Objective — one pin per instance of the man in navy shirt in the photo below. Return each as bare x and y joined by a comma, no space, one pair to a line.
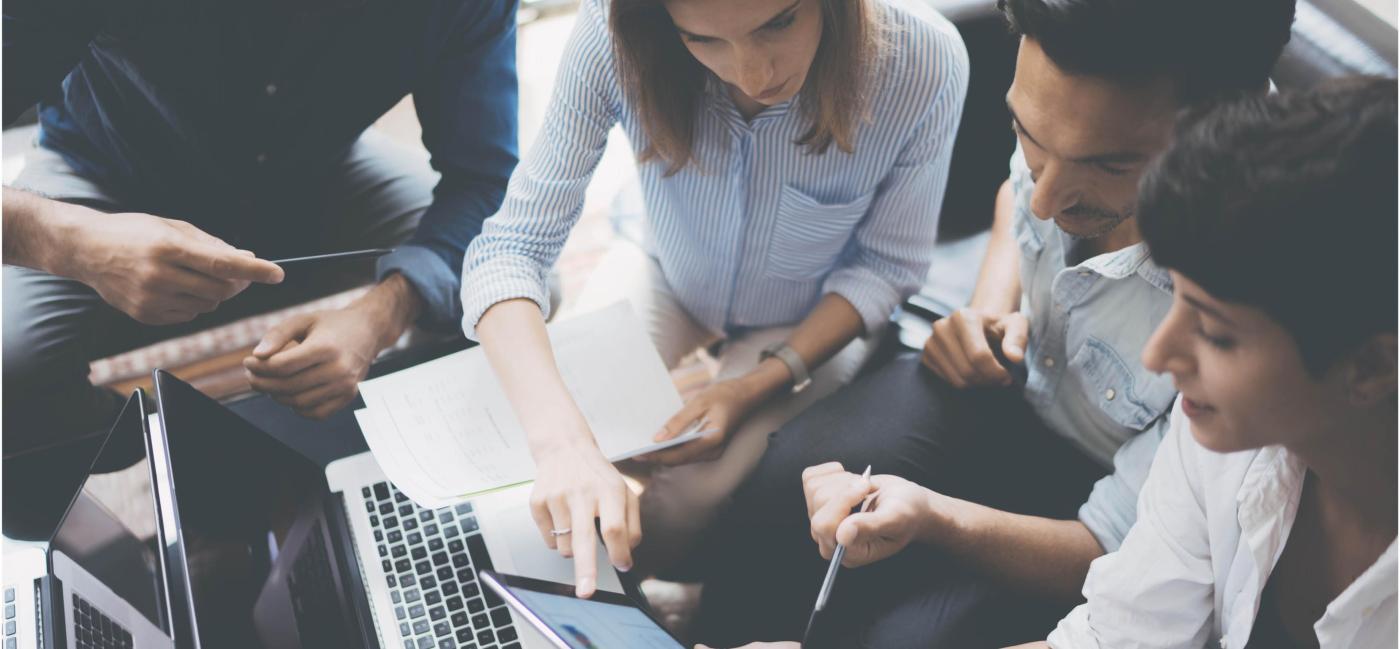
184,142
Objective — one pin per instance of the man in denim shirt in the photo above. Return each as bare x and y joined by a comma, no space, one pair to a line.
184,142
1031,394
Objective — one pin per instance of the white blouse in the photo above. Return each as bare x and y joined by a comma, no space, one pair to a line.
1210,528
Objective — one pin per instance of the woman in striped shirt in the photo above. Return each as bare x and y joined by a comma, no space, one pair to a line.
793,156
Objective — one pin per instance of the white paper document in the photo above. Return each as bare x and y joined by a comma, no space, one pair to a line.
444,430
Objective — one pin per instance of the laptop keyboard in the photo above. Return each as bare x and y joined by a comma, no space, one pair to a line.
431,558
94,630
11,632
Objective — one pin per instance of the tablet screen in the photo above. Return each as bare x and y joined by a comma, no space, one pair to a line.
593,624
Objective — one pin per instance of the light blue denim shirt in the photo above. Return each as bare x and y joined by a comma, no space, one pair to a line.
1089,321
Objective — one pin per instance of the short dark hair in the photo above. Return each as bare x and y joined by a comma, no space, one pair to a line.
1210,48
1287,203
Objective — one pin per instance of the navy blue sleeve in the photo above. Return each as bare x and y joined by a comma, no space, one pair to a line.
43,41
467,104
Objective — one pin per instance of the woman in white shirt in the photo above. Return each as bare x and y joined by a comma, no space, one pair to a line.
1269,515
793,159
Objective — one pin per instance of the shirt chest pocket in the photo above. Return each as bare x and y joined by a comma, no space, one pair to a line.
809,235
1129,394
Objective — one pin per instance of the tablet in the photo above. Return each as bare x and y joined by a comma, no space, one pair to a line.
605,621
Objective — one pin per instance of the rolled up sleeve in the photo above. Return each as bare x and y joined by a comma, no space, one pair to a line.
467,104
1157,590
1111,508
889,253
518,245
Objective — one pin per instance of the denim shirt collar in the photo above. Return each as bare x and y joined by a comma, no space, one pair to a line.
1126,262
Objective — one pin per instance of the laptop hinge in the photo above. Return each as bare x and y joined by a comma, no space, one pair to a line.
352,569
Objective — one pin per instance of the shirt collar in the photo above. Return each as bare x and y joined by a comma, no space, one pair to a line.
1124,263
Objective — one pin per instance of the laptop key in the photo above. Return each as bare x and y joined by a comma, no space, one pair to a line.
464,636
450,588
436,613
445,517
460,560
399,551
408,580
506,635
459,619
444,573
419,553
451,530
428,582
412,595
454,604
464,508
425,515
404,629
409,644
500,616
425,643
469,525
381,490
400,613
432,597
391,522
423,567
442,629
474,605
440,559
481,620
447,643
421,626
386,508
9,611
9,595
431,529
415,538
395,536
410,523
405,510
485,636
416,611
403,565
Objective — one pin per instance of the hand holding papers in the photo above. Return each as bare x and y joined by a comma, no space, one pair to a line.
444,430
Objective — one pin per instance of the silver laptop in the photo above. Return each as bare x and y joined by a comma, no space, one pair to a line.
101,581
335,557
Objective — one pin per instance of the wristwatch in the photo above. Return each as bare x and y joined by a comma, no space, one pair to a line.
780,350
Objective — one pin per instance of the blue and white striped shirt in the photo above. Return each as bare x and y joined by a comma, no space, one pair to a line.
755,231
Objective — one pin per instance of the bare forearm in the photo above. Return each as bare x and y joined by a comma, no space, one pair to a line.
394,304
999,282
1040,555
33,227
1032,645
517,346
832,325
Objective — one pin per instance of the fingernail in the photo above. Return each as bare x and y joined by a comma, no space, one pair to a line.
624,568
1014,350
585,585
262,348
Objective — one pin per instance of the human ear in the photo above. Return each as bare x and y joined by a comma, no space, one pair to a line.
1373,371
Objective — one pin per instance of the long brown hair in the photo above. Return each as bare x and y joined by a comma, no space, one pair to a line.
665,83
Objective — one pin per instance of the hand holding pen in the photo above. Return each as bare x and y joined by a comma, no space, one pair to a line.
898,512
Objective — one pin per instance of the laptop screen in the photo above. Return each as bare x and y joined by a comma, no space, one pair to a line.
236,493
110,527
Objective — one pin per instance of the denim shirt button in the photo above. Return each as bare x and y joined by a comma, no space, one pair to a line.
1109,394
1049,362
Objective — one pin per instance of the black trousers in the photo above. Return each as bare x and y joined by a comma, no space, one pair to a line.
762,569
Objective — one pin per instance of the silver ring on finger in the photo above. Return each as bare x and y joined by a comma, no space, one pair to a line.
563,532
